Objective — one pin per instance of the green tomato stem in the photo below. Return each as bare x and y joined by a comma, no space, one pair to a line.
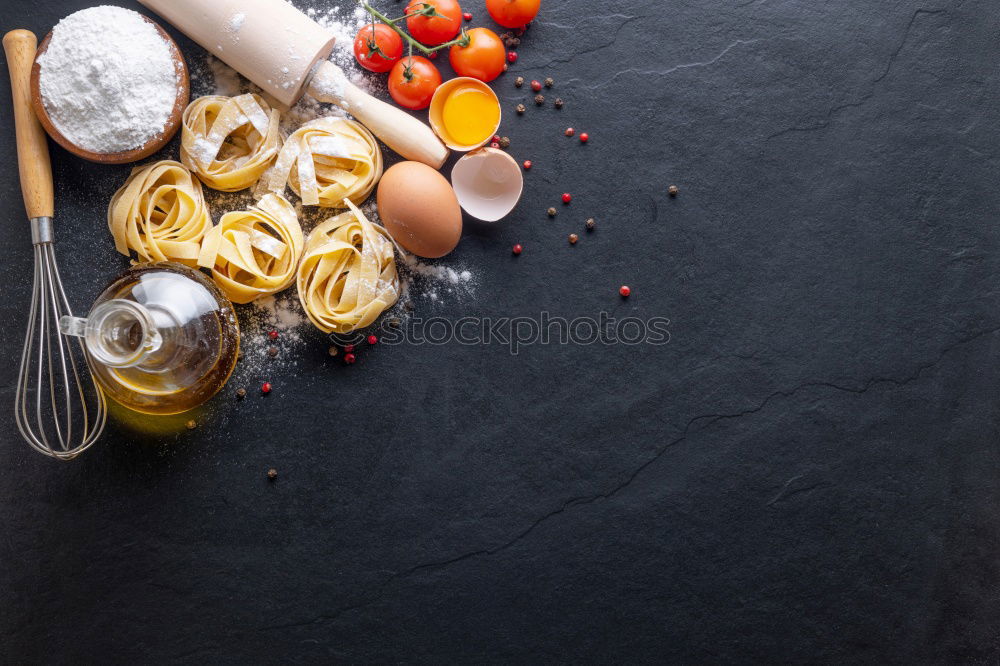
384,19
461,40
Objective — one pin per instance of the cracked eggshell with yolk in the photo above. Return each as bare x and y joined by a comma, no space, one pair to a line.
419,209
488,183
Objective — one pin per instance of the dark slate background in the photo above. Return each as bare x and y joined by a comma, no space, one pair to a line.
807,472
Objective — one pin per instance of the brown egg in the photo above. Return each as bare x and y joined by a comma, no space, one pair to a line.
419,209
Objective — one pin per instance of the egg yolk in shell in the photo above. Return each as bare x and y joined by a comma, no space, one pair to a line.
470,116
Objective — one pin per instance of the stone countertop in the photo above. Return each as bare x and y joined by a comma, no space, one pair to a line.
807,471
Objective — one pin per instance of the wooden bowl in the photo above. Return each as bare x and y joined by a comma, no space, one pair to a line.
147,149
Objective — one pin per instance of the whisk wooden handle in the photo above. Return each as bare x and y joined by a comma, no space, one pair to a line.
32,150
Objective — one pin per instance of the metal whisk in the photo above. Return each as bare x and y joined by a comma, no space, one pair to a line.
59,414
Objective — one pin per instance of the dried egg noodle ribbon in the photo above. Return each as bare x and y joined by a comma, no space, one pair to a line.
160,214
229,141
254,252
347,277
326,161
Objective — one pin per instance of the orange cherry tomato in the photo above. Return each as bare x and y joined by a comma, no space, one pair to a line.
412,82
513,13
482,59
378,49
439,28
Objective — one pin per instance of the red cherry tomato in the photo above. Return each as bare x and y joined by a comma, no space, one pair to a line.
378,49
482,59
513,13
412,82
438,28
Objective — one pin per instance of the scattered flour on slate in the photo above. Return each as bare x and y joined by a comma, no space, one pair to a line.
282,313
436,282
226,80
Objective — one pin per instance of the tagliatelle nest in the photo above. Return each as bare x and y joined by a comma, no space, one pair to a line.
160,214
347,277
255,252
229,142
326,161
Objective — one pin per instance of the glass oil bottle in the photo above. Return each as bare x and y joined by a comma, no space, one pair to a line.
161,339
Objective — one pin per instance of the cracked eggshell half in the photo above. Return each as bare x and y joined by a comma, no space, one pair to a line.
488,183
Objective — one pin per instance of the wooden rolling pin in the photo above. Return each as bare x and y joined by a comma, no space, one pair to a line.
285,52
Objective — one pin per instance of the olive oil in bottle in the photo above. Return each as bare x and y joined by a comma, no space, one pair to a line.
161,339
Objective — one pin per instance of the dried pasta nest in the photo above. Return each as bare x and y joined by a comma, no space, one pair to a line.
254,252
229,142
159,214
347,277
326,161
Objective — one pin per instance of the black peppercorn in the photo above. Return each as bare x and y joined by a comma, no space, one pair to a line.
551,212
505,142
241,393
520,108
272,474
272,351
559,103
591,224
191,425
673,190
519,81
539,99
549,82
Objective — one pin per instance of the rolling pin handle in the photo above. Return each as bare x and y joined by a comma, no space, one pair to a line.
399,130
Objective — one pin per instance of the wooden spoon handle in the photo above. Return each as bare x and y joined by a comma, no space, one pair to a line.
399,130
32,149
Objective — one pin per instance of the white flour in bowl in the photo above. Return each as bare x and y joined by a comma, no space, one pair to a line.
107,79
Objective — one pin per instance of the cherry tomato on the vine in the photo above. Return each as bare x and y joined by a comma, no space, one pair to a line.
513,13
482,59
378,48
412,82
441,25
